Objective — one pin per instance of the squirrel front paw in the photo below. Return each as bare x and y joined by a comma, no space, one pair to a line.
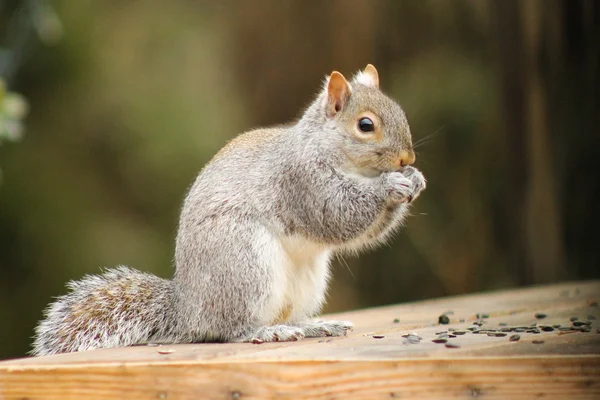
418,181
399,189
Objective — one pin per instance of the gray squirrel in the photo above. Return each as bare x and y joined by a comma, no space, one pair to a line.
257,231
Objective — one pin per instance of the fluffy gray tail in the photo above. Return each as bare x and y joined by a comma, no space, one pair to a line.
121,307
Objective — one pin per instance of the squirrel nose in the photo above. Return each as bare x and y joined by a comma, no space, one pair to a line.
406,157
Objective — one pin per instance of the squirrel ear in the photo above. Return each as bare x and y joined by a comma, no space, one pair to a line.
372,73
368,77
338,91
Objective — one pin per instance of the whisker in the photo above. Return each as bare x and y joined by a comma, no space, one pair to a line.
343,262
429,138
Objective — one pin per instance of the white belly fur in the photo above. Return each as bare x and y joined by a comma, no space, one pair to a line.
305,279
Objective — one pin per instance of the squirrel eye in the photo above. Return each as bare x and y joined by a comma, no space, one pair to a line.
366,125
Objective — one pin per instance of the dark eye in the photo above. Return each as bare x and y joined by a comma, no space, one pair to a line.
366,125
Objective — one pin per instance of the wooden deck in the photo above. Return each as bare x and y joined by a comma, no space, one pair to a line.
377,360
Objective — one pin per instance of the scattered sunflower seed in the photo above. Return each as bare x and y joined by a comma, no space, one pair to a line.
452,346
378,336
581,323
520,329
514,338
460,332
564,328
451,336
556,326
482,316
585,328
502,324
547,328
537,342
396,320
440,340
443,319
540,315
166,351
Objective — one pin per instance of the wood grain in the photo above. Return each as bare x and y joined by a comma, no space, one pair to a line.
358,366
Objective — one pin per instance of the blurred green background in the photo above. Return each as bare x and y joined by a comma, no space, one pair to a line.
129,99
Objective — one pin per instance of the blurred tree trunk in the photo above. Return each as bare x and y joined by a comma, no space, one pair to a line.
545,252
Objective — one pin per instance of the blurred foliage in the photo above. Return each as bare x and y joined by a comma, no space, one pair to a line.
136,97
13,108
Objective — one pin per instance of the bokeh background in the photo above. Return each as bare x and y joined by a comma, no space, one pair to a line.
129,99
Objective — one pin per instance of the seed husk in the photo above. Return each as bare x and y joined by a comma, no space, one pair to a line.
566,332
564,328
460,332
507,329
396,320
537,342
556,326
514,338
585,328
540,315
443,319
452,346
378,336
502,324
520,329
500,334
482,316
451,336
439,340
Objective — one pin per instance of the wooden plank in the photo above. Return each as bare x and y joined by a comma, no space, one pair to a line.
357,366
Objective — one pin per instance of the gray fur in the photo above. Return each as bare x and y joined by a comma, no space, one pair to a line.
257,230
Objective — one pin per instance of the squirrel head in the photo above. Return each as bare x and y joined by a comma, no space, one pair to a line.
369,129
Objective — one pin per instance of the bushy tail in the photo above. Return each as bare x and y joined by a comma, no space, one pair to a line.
121,307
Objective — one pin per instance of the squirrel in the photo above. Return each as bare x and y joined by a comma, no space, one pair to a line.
257,231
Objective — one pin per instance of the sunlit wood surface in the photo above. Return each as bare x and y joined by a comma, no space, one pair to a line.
376,360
